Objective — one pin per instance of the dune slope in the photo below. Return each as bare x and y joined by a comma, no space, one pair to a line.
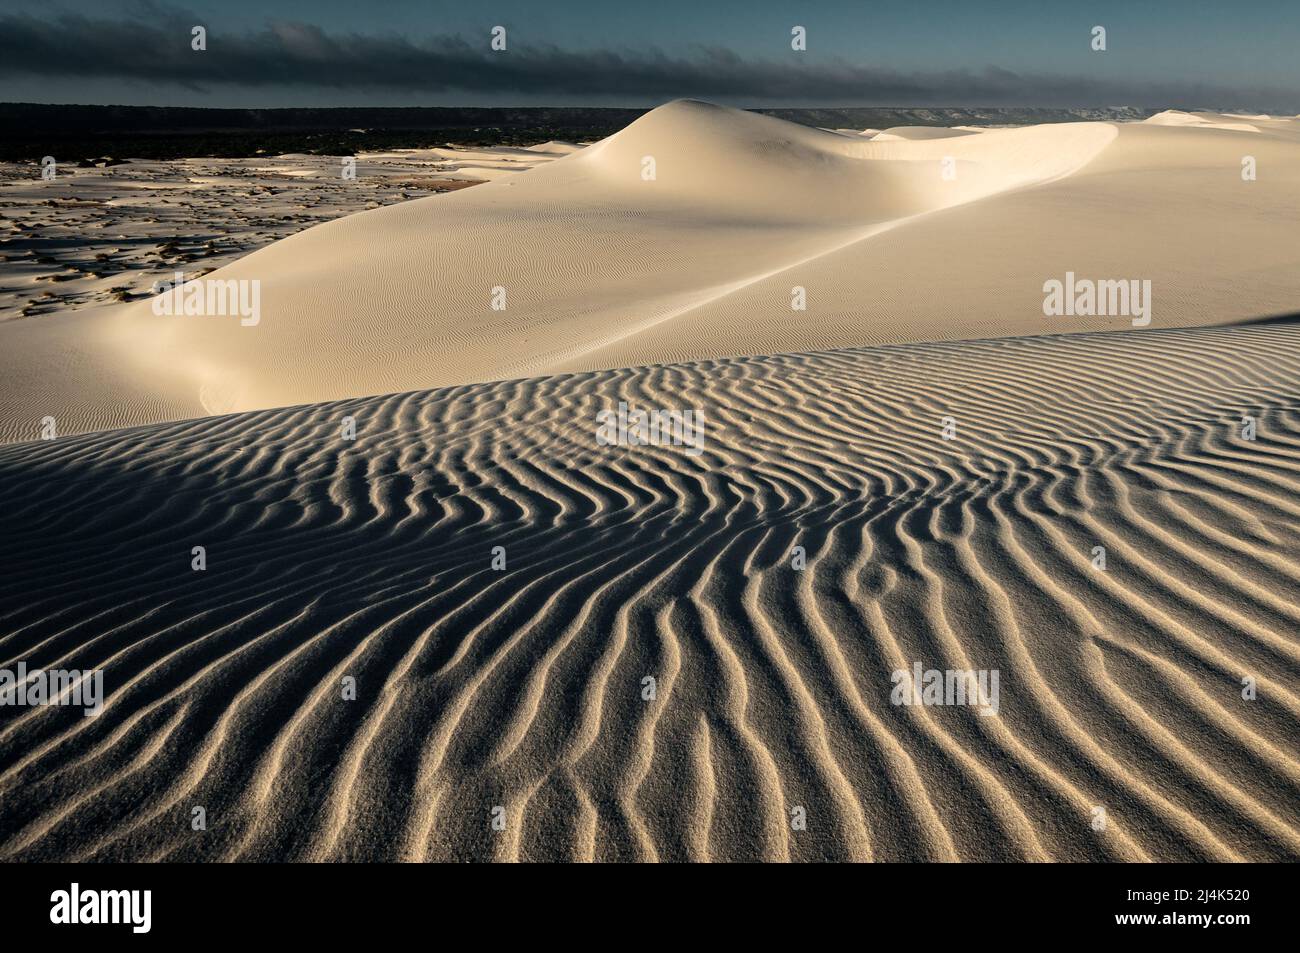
525,688
589,262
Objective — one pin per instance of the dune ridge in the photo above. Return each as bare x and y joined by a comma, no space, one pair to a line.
371,558
603,268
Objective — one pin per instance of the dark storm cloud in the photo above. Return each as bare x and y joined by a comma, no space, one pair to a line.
153,46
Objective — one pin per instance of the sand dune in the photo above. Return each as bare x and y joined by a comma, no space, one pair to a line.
1203,120
603,268
523,688
855,510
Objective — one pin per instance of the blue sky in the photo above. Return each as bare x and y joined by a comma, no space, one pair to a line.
881,52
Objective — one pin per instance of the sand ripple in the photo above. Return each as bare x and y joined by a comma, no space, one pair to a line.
523,688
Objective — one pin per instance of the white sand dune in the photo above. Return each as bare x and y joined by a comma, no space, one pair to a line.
602,268
1279,126
1203,120
523,688
555,147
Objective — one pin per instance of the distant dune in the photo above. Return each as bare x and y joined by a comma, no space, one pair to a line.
603,268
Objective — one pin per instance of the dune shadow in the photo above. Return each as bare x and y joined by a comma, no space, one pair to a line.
1269,320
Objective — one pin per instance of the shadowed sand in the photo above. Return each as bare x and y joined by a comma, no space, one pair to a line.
371,559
